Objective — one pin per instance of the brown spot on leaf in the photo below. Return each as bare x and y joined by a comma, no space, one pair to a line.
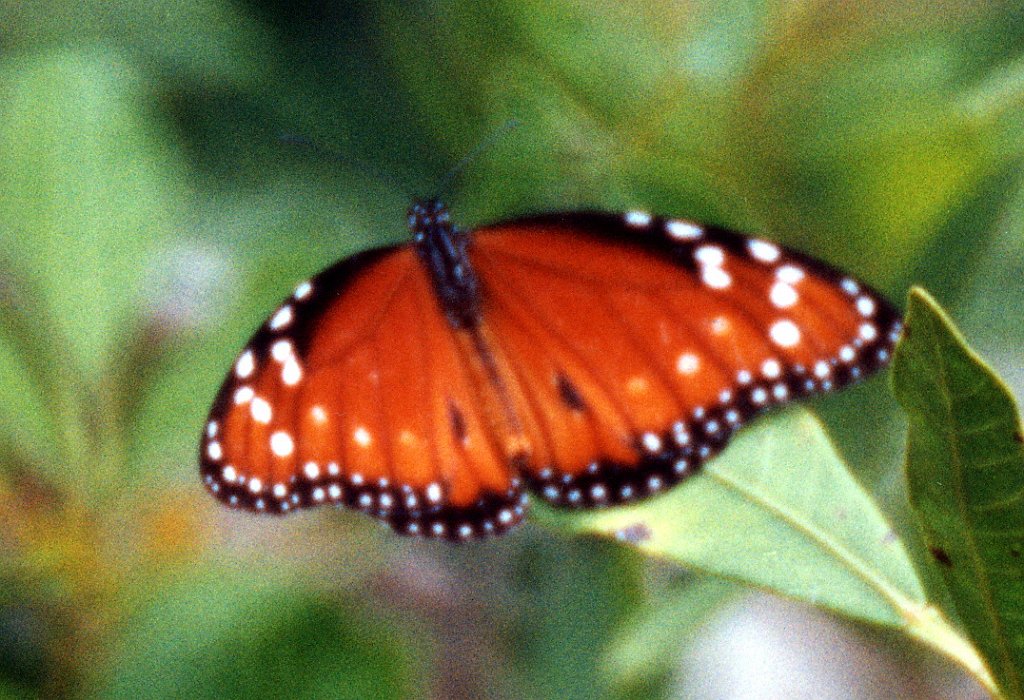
634,534
942,556
1018,436
1015,551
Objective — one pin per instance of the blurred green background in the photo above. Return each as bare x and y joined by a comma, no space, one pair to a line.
150,218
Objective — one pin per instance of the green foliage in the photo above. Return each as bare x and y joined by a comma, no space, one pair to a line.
965,468
149,219
291,646
781,511
780,494
646,651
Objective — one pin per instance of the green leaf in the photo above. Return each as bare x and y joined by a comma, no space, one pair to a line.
229,635
24,424
87,193
965,470
781,511
210,42
569,595
649,646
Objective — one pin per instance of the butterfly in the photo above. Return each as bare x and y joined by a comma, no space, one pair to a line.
585,358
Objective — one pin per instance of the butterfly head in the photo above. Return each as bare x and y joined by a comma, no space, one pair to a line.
426,215
444,251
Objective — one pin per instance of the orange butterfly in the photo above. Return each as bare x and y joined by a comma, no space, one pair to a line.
587,358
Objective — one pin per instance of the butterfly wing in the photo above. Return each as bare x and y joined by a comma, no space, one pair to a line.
356,392
638,344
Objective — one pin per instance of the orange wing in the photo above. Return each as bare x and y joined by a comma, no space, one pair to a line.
635,346
611,356
357,392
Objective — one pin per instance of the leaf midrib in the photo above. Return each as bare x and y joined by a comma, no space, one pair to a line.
897,598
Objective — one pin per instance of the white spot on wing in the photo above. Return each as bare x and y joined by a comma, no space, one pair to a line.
637,218
434,492
771,369
282,350
260,410
790,274
868,331
362,437
246,365
783,295
291,373
303,290
652,443
784,333
243,394
282,318
214,451
281,444
687,363
866,306
710,255
716,277
683,230
763,250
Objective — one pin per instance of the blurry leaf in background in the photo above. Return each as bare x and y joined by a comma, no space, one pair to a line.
965,469
571,599
26,432
994,295
89,195
229,635
646,652
90,191
204,42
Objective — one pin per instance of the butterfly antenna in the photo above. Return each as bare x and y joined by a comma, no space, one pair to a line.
482,146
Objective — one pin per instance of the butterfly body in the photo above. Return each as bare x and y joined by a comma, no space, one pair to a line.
587,358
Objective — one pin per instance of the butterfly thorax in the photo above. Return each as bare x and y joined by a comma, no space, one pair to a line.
443,249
